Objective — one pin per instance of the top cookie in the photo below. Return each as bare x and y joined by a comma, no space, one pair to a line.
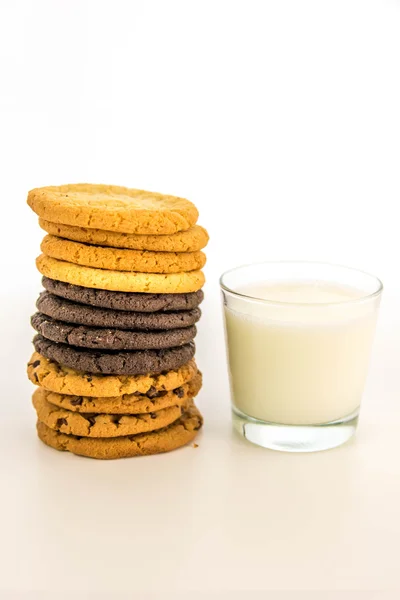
190,240
113,208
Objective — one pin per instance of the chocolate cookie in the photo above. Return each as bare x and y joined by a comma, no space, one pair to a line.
181,432
72,312
129,301
115,363
110,339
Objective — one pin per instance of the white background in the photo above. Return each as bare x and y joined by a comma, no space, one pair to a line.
280,119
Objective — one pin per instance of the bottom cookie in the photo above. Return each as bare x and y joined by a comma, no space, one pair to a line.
169,438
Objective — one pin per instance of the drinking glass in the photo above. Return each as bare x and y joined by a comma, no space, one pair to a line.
298,338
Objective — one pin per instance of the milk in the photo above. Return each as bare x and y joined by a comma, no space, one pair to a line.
302,357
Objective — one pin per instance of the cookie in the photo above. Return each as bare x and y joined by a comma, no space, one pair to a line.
123,301
72,312
62,380
123,281
180,433
139,362
113,208
101,425
152,401
114,259
191,240
102,338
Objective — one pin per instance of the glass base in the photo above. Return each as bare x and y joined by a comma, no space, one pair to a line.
295,438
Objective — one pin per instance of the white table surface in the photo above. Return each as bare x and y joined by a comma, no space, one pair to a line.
224,516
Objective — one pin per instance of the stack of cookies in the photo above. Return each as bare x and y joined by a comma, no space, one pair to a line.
116,322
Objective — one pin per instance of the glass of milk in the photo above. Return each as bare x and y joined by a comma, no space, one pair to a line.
299,338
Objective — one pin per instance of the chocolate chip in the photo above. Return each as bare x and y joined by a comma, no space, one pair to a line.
153,393
76,400
180,392
36,377
88,378
34,364
153,415
91,419
137,394
61,422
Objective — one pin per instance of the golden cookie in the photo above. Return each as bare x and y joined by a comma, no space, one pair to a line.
181,432
191,240
142,261
120,281
62,380
101,425
113,208
128,404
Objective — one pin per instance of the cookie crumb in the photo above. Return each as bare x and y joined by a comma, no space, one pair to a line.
195,445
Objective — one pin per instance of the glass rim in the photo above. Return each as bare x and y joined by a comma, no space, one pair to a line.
363,298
